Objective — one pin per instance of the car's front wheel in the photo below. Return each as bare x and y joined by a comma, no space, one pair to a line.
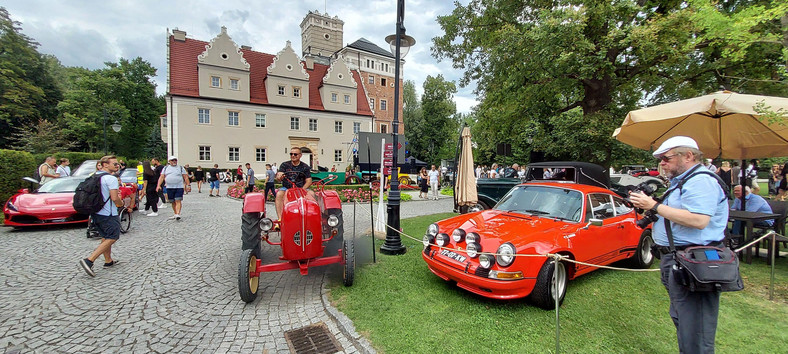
547,286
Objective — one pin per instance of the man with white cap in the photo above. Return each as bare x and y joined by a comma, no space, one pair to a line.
176,178
696,209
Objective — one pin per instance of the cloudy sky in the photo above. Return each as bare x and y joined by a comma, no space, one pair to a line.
88,32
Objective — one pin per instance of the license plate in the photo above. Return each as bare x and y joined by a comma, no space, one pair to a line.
454,255
57,220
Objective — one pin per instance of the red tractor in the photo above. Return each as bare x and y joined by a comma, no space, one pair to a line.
310,234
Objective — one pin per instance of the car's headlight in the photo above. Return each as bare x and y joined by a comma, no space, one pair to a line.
432,230
333,221
266,224
428,240
458,235
473,249
442,240
486,261
11,206
473,238
505,255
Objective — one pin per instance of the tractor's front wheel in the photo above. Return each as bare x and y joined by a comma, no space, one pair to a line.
248,284
349,258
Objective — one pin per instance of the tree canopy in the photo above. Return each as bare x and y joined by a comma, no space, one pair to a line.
432,124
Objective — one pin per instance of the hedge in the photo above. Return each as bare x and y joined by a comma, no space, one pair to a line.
13,166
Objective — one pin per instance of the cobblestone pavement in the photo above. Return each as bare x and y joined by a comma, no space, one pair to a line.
173,290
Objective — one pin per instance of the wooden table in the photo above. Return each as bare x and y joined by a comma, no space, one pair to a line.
750,217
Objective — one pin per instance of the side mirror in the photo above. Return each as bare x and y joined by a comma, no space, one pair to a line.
31,180
594,222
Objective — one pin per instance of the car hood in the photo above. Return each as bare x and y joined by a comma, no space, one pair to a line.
34,200
500,226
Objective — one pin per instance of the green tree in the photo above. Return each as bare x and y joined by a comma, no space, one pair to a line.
433,137
43,137
411,113
27,90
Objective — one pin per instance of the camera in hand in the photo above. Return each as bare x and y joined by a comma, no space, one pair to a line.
648,216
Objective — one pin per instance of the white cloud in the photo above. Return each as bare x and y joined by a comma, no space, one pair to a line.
89,32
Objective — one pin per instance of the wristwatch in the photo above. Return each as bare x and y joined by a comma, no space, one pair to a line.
654,209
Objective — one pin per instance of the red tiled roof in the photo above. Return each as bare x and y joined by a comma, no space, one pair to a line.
184,79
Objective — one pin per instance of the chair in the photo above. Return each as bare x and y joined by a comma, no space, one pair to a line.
779,208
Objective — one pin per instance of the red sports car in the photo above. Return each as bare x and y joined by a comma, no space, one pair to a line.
574,218
51,204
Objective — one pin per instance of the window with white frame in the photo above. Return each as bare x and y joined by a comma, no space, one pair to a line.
337,155
356,127
295,123
234,153
333,97
203,116
384,128
338,127
312,124
281,91
234,84
164,122
372,103
259,154
216,81
371,79
296,92
368,64
383,105
347,99
259,120
232,118
204,153
383,81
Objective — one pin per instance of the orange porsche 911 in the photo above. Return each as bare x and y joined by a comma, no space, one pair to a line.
574,214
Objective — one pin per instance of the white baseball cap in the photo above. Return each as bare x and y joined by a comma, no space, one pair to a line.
674,142
173,157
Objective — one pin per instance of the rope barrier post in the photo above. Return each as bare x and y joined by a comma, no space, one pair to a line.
556,297
771,281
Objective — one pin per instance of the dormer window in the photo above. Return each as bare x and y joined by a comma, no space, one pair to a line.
333,97
234,84
216,81
281,91
347,99
297,92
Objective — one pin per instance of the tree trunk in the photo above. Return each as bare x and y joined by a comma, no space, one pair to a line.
597,95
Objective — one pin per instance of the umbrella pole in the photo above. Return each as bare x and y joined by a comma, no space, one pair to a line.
743,182
457,168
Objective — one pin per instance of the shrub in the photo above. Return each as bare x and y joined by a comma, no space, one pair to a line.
13,166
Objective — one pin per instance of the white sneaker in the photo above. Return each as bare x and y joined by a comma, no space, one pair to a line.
159,206
143,212
153,214
172,217
177,216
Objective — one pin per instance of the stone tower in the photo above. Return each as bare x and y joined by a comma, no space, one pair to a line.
321,35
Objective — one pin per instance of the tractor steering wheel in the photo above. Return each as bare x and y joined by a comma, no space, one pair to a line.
319,185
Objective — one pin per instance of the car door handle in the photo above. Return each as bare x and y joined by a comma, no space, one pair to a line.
620,226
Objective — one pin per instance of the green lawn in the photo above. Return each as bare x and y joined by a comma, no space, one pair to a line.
400,306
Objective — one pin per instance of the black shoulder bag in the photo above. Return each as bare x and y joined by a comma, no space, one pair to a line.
704,268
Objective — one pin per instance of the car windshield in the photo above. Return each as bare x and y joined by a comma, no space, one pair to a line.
61,185
559,203
129,175
86,168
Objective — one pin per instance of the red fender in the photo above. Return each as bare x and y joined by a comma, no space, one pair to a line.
331,200
254,203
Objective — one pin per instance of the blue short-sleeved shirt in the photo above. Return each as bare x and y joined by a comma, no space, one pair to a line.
108,182
755,203
700,194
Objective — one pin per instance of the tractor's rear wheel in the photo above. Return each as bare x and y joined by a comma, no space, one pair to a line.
248,284
349,258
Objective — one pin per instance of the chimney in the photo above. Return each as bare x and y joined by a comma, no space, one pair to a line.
246,47
179,35
310,63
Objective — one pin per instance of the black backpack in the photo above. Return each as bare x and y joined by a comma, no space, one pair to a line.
87,197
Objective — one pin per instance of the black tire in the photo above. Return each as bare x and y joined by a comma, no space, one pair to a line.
349,257
247,286
352,180
333,246
482,205
542,295
654,185
643,259
125,221
251,233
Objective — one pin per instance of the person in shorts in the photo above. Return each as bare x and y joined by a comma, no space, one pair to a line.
214,180
177,179
106,220
290,172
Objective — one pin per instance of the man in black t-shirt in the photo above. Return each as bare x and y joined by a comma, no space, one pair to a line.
303,179
214,180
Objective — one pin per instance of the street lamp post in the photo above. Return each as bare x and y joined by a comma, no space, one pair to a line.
400,43
115,127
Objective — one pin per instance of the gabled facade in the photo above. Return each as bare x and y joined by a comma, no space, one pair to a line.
229,105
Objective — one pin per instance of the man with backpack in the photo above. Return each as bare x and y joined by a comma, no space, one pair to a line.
99,195
176,177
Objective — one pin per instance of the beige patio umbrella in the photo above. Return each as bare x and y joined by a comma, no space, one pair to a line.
724,124
465,187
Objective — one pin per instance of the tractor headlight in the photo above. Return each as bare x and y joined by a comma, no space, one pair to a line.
333,221
442,240
458,235
473,238
486,261
473,250
505,255
266,224
432,230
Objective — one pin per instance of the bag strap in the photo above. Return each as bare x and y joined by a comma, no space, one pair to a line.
679,186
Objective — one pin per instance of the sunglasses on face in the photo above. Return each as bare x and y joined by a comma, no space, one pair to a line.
666,158
292,154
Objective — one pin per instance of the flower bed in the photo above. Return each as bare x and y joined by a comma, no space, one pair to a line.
360,193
